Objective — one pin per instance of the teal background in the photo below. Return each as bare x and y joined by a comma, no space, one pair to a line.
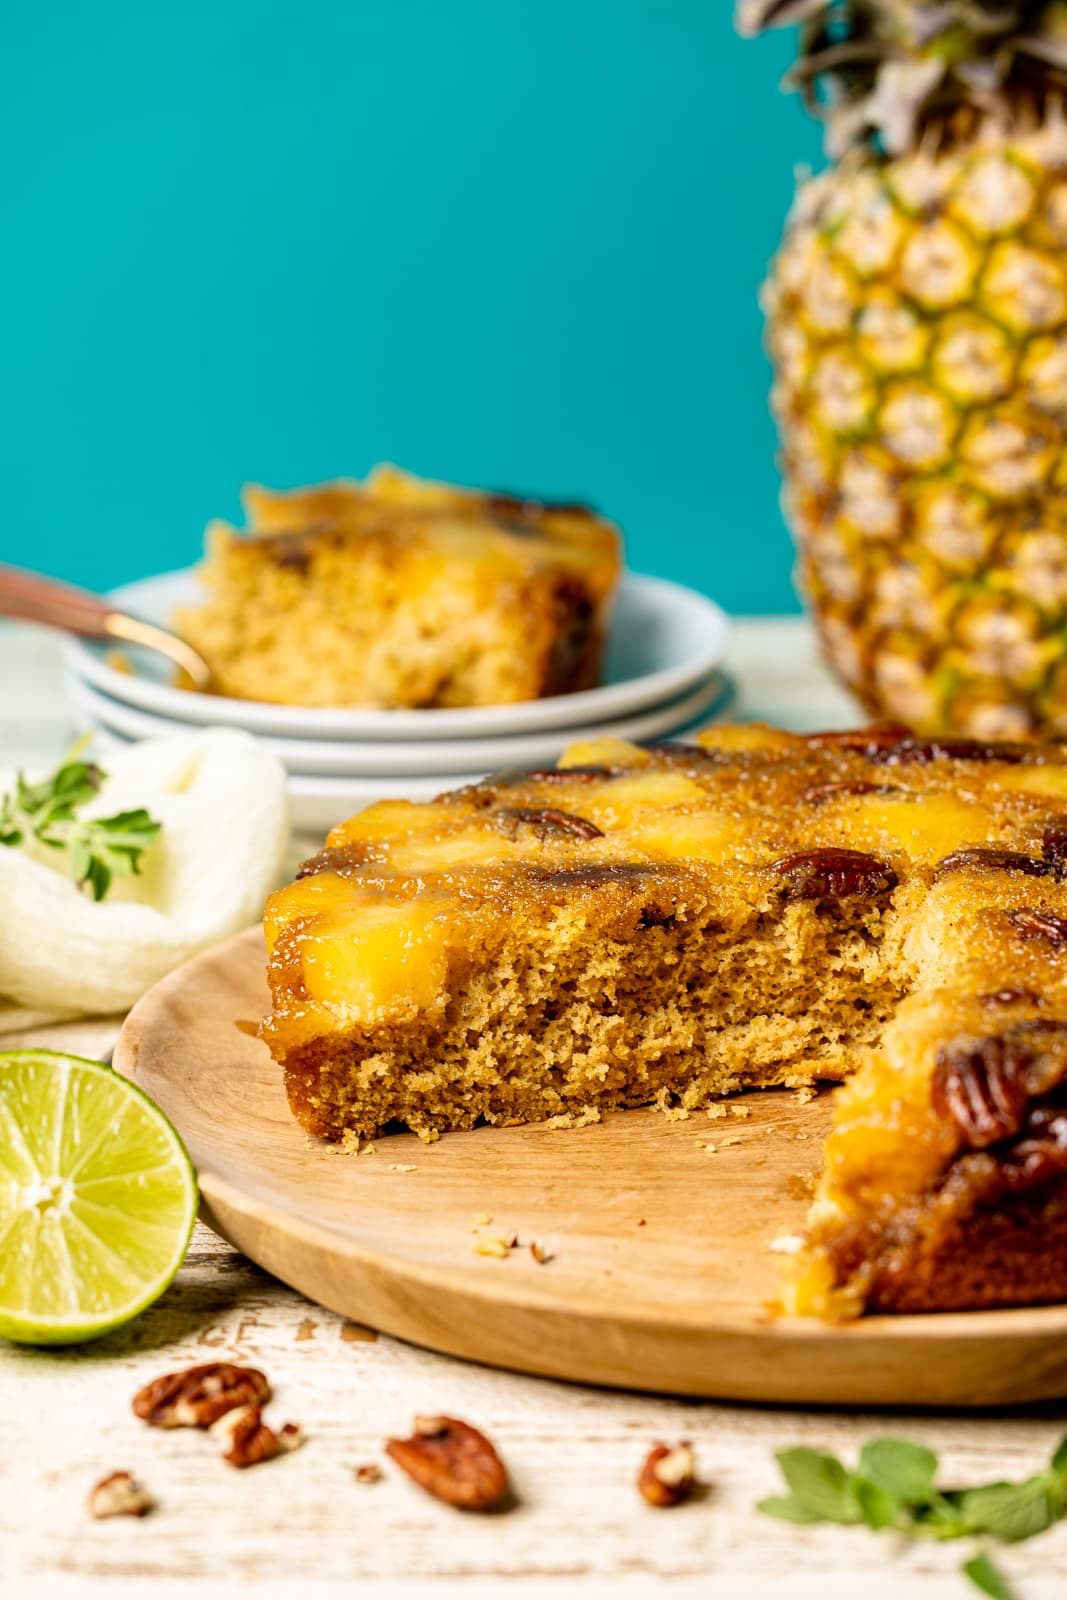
510,242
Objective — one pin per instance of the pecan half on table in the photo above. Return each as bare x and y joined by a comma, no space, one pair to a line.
119,1495
452,1461
247,1440
199,1396
669,1475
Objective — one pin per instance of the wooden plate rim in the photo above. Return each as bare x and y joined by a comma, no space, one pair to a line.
1028,1329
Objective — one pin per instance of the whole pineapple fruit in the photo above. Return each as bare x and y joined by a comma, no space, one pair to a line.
917,317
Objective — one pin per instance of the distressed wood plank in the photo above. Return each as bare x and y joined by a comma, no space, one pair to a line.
573,1453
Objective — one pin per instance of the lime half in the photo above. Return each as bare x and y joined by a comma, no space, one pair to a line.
97,1198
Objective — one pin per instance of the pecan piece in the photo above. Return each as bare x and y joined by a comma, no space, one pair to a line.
247,1440
119,1495
198,1396
821,792
1010,997
504,500
878,736
979,1085
669,1474
833,874
993,860
293,559
923,751
1041,1154
546,823
452,1461
557,775
369,1472
1054,845
1039,925
679,747
1043,1044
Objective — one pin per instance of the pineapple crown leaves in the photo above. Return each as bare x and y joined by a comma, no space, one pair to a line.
880,71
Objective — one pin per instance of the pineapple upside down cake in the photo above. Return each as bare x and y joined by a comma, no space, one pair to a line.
669,924
402,592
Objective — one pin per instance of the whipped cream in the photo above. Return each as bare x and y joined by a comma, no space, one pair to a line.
222,801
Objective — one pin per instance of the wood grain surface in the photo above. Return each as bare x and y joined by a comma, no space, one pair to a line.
301,1528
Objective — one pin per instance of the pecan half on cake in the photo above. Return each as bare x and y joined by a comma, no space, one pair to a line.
675,923
398,592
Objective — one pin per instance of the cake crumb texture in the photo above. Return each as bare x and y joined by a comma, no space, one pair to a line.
670,926
401,593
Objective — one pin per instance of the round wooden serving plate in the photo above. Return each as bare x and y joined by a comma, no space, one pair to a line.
660,1277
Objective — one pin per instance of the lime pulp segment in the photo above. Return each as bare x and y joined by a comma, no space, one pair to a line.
97,1198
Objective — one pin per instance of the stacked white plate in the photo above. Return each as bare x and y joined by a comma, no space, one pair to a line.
663,676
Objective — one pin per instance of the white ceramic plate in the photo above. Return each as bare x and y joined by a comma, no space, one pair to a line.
319,803
664,640
351,758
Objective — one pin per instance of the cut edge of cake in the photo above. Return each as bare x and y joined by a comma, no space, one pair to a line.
670,924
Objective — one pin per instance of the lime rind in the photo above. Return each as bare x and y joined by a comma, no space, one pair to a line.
97,1198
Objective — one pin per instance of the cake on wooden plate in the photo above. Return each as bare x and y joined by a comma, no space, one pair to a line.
397,592
670,924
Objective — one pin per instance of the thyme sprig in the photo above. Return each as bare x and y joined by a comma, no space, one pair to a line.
98,849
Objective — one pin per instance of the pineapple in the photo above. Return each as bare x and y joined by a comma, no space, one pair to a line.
917,322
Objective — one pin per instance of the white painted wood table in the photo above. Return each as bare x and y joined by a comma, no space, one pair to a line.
303,1526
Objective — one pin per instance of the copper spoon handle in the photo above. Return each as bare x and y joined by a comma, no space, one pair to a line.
37,599
60,605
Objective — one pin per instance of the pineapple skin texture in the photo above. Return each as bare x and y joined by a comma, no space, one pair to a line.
917,322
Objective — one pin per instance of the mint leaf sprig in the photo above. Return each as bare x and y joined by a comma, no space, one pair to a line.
987,1577
98,848
893,1487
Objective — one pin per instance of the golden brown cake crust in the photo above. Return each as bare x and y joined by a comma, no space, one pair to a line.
673,923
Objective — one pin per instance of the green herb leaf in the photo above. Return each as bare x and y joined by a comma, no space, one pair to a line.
787,1509
58,797
110,847
894,1487
98,848
1011,1511
821,1484
901,1468
940,1518
878,1508
985,1576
